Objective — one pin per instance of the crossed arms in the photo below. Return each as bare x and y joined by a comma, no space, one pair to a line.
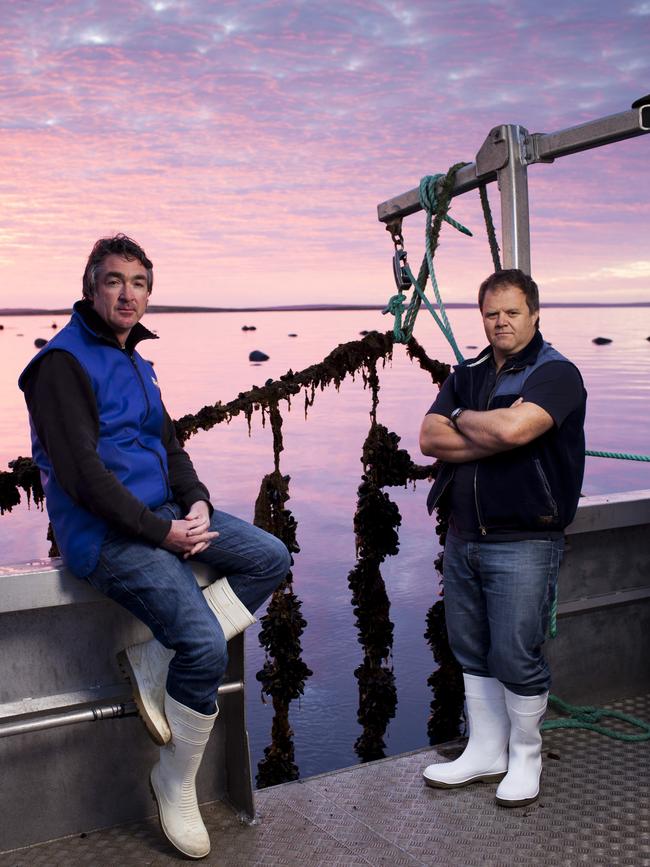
482,433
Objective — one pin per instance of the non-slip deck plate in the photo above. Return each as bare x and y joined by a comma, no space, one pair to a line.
594,809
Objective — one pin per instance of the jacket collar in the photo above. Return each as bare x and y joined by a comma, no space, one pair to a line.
523,358
94,323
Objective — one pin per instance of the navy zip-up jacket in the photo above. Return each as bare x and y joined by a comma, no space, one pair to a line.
531,490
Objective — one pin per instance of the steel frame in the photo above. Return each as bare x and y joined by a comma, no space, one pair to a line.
505,156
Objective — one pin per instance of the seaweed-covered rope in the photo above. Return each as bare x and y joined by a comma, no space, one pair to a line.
489,227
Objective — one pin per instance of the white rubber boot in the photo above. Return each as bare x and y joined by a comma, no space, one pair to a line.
173,779
146,664
227,607
520,786
485,758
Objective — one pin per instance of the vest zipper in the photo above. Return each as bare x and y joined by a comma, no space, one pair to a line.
141,444
139,375
482,529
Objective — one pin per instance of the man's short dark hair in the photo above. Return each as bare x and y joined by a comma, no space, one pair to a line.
511,277
118,245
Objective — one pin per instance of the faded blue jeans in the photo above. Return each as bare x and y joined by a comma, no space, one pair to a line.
497,604
160,589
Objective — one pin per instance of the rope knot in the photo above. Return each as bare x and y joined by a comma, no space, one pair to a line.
428,192
395,304
587,714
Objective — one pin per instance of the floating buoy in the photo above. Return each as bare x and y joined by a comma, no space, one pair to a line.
2,328
601,341
257,355
40,342
54,325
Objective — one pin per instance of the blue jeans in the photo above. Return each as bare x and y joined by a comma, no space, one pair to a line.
160,589
497,603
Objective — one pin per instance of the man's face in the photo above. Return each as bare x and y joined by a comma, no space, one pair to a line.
121,294
509,324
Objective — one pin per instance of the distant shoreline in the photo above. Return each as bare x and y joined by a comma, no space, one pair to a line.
307,308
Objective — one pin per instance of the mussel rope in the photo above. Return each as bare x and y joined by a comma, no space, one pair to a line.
489,227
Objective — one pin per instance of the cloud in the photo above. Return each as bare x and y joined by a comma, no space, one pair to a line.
266,131
631,270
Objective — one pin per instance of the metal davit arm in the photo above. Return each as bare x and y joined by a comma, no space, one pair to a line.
505,155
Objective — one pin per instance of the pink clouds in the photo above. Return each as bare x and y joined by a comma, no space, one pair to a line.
255,138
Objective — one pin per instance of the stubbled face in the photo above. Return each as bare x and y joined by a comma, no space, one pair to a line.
121,294
509,324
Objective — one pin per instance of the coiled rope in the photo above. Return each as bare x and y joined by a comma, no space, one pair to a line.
587,717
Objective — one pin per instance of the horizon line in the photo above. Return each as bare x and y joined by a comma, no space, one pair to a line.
282,308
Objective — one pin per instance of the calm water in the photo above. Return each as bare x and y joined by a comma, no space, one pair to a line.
202,358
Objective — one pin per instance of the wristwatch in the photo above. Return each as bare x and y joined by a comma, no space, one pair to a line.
455,415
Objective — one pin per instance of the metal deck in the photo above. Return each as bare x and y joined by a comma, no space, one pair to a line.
594,809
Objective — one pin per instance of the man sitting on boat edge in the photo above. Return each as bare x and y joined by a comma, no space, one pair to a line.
128,511
508,429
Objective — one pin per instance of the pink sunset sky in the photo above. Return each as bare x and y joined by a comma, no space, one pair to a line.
247,144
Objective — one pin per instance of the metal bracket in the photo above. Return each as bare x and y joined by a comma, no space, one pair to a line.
493,153
531,149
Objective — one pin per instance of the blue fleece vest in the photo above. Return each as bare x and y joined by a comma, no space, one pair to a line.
130,423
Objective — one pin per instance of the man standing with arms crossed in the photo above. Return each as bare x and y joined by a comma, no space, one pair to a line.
508,430
128,511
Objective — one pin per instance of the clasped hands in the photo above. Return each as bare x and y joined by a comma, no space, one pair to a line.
191,535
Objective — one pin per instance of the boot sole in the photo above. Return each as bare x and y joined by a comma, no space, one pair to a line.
162,828
523,803
482,778
127,671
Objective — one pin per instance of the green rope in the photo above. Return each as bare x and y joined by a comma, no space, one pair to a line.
395,306
621,456
489,226
587,717
552,626
436,208
428,193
